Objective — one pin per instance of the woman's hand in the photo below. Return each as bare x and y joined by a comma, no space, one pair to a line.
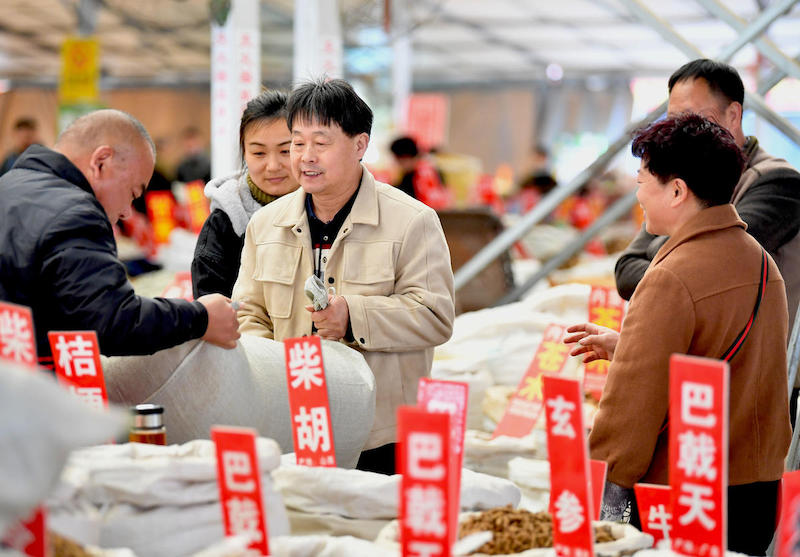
596,342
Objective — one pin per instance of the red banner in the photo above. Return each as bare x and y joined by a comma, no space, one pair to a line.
240,485
570,493
599,469
698,454
76,356
525,404
197,205
607,309
17,341
312,429
161,212
655,510
29,536
180,287
788,541
427,119
428,496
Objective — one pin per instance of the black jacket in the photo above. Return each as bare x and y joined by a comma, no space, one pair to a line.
216,256
58,256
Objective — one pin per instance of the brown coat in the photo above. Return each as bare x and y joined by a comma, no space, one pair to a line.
391,263
695,298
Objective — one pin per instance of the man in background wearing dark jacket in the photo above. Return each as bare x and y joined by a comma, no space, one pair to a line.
57,250
767,196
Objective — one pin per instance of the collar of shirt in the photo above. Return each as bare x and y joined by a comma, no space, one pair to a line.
324,233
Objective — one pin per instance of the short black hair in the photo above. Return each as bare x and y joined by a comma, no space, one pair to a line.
267,106
698,151
404,147
722,79
330,101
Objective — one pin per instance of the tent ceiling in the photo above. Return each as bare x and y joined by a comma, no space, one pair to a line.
455,41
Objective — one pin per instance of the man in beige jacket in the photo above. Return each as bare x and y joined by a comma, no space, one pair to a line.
381,253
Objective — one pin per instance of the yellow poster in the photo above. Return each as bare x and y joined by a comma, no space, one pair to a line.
80,71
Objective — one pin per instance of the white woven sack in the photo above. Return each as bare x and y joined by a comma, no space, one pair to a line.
201,385
42,423
158,501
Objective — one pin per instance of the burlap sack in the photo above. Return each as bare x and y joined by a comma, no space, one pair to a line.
201,385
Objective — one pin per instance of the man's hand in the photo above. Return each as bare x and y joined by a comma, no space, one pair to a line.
223,328
598,343
331,322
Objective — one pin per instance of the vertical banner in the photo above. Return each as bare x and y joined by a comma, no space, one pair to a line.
525,404
76,356
161,212
607,309
312,429
240,486
655,510
570,494
17,340
235,77
428,119
427,487
180,287
698,454
788,540
449,397
79,79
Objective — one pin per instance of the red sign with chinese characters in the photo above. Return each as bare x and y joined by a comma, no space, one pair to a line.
197,205
655,510
428,513
698,454
449,397
240,485
29,536
312,429
76,356
599,469
17,341
161,211
525,404
789,527
180,287
607,309
570,493
427,119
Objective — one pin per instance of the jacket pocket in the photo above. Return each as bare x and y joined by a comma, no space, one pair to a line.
368,268
276,269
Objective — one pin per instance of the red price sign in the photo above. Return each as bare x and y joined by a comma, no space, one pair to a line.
161,211
240,485
698,454
197,205
525,405
599,469
29,536
17,341
607,309
76,356
655,510
449,397
308,399
790,515
180,287
428,496
570,493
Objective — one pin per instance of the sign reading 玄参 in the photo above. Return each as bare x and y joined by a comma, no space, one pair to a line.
570,493
312,428
698,454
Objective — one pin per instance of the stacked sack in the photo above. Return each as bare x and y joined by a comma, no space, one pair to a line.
158,501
